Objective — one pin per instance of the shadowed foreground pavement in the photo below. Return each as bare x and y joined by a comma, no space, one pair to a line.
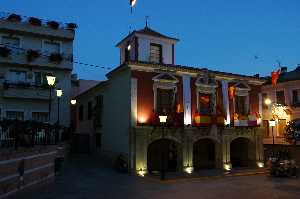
86,177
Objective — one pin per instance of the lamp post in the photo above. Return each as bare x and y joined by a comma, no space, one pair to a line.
51,81
272,123
59,93
163,121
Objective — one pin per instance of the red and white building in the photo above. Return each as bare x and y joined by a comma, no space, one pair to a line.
213,118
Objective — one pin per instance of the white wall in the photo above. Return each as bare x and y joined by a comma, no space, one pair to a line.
116,114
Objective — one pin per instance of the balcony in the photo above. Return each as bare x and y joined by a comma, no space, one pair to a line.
18,56
24,90
22,24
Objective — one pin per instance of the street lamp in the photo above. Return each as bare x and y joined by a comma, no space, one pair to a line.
268,101
163,121
272,123
59,93
51,81
73,101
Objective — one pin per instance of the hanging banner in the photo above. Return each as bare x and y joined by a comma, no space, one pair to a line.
231,92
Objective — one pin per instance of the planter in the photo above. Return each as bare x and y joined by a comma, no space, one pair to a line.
35,21
53,24
4,51
14,18
72,26
55,57
32,55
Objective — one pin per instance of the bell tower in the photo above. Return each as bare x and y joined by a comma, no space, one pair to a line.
147,45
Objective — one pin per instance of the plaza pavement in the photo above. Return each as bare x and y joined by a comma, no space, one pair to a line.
87,177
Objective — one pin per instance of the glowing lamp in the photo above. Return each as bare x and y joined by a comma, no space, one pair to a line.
50,79
59,92
73,101
142,120
227,167
141,172
260,164
272,123
268,101
189,170
226,122
129,47
163,118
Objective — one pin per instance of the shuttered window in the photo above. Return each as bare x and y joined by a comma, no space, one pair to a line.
280,99
205,106
296,97
155,53
165,100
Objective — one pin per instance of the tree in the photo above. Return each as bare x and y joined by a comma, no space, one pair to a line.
292,133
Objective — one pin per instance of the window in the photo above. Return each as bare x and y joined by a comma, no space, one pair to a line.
51,47
280,97
165,100
40,116
296,97
240,105
264,97
17,76
155,53
11,42
12,115
98,111
40,79
205,106
80,112
281,127
90,110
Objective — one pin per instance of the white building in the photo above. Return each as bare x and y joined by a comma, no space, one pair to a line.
30,49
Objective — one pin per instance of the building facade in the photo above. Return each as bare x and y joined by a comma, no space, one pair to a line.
30,49
284,105
86,114
213,118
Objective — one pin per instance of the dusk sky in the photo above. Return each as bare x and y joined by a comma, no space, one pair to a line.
216,34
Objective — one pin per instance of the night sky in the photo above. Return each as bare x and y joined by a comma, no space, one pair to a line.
235,36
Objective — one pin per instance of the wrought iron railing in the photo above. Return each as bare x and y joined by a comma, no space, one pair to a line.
16,133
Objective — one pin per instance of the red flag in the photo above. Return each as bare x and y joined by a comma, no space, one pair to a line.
275,75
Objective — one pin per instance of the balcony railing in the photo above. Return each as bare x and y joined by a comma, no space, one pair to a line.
25,90
16,55
16,133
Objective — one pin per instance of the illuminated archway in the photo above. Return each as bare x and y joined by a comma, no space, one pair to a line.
242,153
204,154
165,150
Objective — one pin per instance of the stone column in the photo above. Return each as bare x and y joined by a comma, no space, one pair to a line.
187,157
226,149
226,100
259,145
